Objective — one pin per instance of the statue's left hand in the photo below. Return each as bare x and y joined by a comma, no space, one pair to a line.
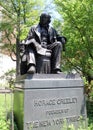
48,53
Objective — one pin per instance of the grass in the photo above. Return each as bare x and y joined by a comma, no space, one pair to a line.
5,106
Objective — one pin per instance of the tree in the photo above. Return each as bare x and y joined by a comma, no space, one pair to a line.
78,28
18,16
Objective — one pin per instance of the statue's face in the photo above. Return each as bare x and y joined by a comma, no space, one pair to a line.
44,19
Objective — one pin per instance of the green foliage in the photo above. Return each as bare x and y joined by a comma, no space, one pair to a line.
4,107
4,125
9,77
17,17
77,27
82,126
6,112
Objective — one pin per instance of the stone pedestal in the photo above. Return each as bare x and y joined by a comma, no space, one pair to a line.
45,101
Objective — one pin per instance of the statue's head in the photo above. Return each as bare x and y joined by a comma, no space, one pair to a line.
45,19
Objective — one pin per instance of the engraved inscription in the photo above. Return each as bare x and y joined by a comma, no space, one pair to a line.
44,102
36,124
52,122
58,111
59,101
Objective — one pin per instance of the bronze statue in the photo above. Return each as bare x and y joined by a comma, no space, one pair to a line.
42,40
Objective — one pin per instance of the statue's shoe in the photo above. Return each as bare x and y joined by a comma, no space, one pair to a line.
31,70
57,71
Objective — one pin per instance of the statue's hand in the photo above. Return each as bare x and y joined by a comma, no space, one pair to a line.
22,48
48,53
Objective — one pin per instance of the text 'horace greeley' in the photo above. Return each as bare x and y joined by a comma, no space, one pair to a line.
59,101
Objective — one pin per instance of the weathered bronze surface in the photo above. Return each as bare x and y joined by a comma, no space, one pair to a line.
42,40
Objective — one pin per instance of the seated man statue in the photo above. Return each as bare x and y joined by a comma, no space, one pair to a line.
42,40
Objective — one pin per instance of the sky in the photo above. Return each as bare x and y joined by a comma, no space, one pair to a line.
51,9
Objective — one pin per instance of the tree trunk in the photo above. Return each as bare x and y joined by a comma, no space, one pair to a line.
18,44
